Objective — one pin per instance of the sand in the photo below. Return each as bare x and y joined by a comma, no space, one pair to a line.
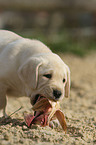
79,110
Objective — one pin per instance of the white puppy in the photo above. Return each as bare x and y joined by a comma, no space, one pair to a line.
29,68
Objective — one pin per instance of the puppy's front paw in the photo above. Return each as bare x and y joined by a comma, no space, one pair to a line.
54,123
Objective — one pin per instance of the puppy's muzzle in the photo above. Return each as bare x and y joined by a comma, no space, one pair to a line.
57,94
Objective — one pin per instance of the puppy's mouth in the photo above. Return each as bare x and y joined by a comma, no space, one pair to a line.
42,108
36,98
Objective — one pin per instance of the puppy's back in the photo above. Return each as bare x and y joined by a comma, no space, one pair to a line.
7,37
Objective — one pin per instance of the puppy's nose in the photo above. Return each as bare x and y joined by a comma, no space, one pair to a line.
57,94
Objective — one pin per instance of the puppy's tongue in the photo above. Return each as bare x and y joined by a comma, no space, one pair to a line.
42,108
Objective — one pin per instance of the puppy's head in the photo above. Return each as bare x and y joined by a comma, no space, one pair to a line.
45,75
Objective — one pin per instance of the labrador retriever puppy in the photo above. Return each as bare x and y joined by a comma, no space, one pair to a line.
29,68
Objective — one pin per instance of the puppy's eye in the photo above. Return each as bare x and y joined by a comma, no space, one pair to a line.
49,76
64,80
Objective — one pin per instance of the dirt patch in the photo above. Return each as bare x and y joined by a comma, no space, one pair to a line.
79,109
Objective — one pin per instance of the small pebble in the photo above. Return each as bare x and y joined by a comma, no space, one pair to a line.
24,128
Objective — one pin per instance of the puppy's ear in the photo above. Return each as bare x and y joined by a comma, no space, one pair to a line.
28,72
67,86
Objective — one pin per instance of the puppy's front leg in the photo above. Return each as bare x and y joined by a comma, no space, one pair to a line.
54,123
3,100
4,112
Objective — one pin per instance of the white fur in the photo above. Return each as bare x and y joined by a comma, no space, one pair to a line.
23,62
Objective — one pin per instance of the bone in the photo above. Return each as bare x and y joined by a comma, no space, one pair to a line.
41,105
61,118
59,115
55,106
53,111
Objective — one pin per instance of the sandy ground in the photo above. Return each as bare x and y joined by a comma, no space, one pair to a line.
79,109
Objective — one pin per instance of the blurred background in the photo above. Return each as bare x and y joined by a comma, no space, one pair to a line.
64,25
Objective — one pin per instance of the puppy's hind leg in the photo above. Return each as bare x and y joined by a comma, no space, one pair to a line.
3,100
